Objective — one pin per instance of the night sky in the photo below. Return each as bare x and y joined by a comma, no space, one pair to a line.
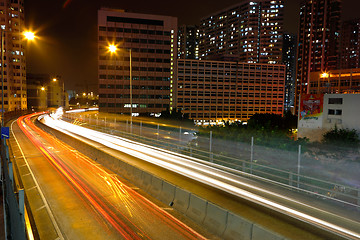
67,31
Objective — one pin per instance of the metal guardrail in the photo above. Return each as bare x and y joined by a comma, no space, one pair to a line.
320,188
13,197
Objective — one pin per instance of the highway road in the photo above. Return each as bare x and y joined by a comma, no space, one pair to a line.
297,207
86,200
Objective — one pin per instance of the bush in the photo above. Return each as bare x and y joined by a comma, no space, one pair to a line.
341,137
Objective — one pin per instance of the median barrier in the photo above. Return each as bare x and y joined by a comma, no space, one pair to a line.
155,187
167,193
136,176
260,233
197,209
146,181
128,171
238,228
181,200
216,219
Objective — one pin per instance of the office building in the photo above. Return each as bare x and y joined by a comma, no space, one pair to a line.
152,40
350,44
37,91
289,60
45,92
12,26
213,91
188,42
318,40
251,30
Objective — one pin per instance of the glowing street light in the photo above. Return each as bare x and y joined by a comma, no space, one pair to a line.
112,48
324,75
54,79
29,35
42,88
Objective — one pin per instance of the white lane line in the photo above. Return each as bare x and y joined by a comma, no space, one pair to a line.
51,215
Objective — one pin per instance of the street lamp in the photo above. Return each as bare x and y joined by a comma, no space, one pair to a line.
113,49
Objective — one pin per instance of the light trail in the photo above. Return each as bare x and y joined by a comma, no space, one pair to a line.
125,196
197,171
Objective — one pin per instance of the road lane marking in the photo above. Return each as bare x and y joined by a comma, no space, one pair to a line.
51,215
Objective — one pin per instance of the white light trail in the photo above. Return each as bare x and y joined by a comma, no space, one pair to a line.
194,170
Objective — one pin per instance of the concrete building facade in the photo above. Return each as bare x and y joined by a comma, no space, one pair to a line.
252,30
12,25
212,91
337,110
153,43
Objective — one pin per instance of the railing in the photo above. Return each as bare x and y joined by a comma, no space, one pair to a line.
321,188
13,202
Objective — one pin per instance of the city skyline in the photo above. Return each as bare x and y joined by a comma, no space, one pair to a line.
67,45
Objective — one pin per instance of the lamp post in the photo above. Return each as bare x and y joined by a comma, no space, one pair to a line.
113,48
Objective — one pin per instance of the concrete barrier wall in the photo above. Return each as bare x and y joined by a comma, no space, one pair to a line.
197,209
260,233
215,219
181,200
237,228
167,194
156,187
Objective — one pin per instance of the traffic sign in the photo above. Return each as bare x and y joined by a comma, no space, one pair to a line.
5,132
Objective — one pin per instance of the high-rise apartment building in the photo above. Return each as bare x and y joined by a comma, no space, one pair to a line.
12,26
212,91
188,42
289,59
251,30
318,40
151,62
350,44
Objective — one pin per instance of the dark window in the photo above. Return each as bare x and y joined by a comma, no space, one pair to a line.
338,112
135,21
331,112
102,28
335,101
